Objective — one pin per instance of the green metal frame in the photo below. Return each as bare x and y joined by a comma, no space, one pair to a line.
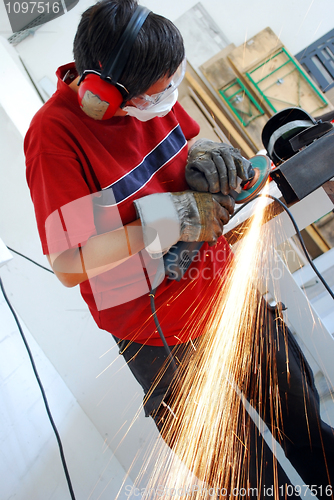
296,67
231,99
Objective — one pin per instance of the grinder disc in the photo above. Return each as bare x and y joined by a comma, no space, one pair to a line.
261,164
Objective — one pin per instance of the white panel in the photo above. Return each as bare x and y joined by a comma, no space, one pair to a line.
5,255
202,37
17,96
302,316
305,212
322,263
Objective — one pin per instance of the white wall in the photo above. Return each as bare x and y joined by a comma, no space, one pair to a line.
297,22
67,335
30,465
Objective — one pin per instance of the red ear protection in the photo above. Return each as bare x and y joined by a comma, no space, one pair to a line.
98,98
98,94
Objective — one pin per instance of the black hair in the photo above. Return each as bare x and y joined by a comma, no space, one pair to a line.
156,53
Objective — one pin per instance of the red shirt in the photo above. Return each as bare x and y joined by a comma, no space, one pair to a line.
84,175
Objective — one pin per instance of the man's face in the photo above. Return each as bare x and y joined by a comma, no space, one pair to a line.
160,90
157,90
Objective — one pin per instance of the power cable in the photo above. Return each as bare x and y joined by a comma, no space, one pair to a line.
68,479
30,260
157,324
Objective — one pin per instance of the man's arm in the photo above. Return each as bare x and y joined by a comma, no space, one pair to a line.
100,254
182,216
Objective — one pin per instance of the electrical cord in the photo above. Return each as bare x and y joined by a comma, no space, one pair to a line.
68,479
152,302
157,324
30,260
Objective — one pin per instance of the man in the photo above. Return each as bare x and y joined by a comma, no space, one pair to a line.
106,159
85,173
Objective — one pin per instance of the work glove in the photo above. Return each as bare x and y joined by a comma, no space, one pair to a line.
185,216
214,167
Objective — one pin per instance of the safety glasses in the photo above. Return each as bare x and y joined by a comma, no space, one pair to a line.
145,101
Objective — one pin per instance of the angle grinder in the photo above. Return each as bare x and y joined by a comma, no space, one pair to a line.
180,256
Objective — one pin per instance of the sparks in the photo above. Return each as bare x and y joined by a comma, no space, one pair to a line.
206,426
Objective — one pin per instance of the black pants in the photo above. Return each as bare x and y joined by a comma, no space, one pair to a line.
307,441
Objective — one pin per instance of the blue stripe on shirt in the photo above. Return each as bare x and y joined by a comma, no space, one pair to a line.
140,175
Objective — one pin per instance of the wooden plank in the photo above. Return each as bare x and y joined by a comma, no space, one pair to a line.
330,96
218,70
329,189
244,106
193,110
257,96
237,138
286,85
215,96
218,131
254,51
317,238
220,74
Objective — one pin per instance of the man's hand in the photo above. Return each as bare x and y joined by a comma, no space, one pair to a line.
202,215
214,167
227,204
182,216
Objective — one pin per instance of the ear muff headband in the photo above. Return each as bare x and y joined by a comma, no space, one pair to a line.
121,52
99,94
